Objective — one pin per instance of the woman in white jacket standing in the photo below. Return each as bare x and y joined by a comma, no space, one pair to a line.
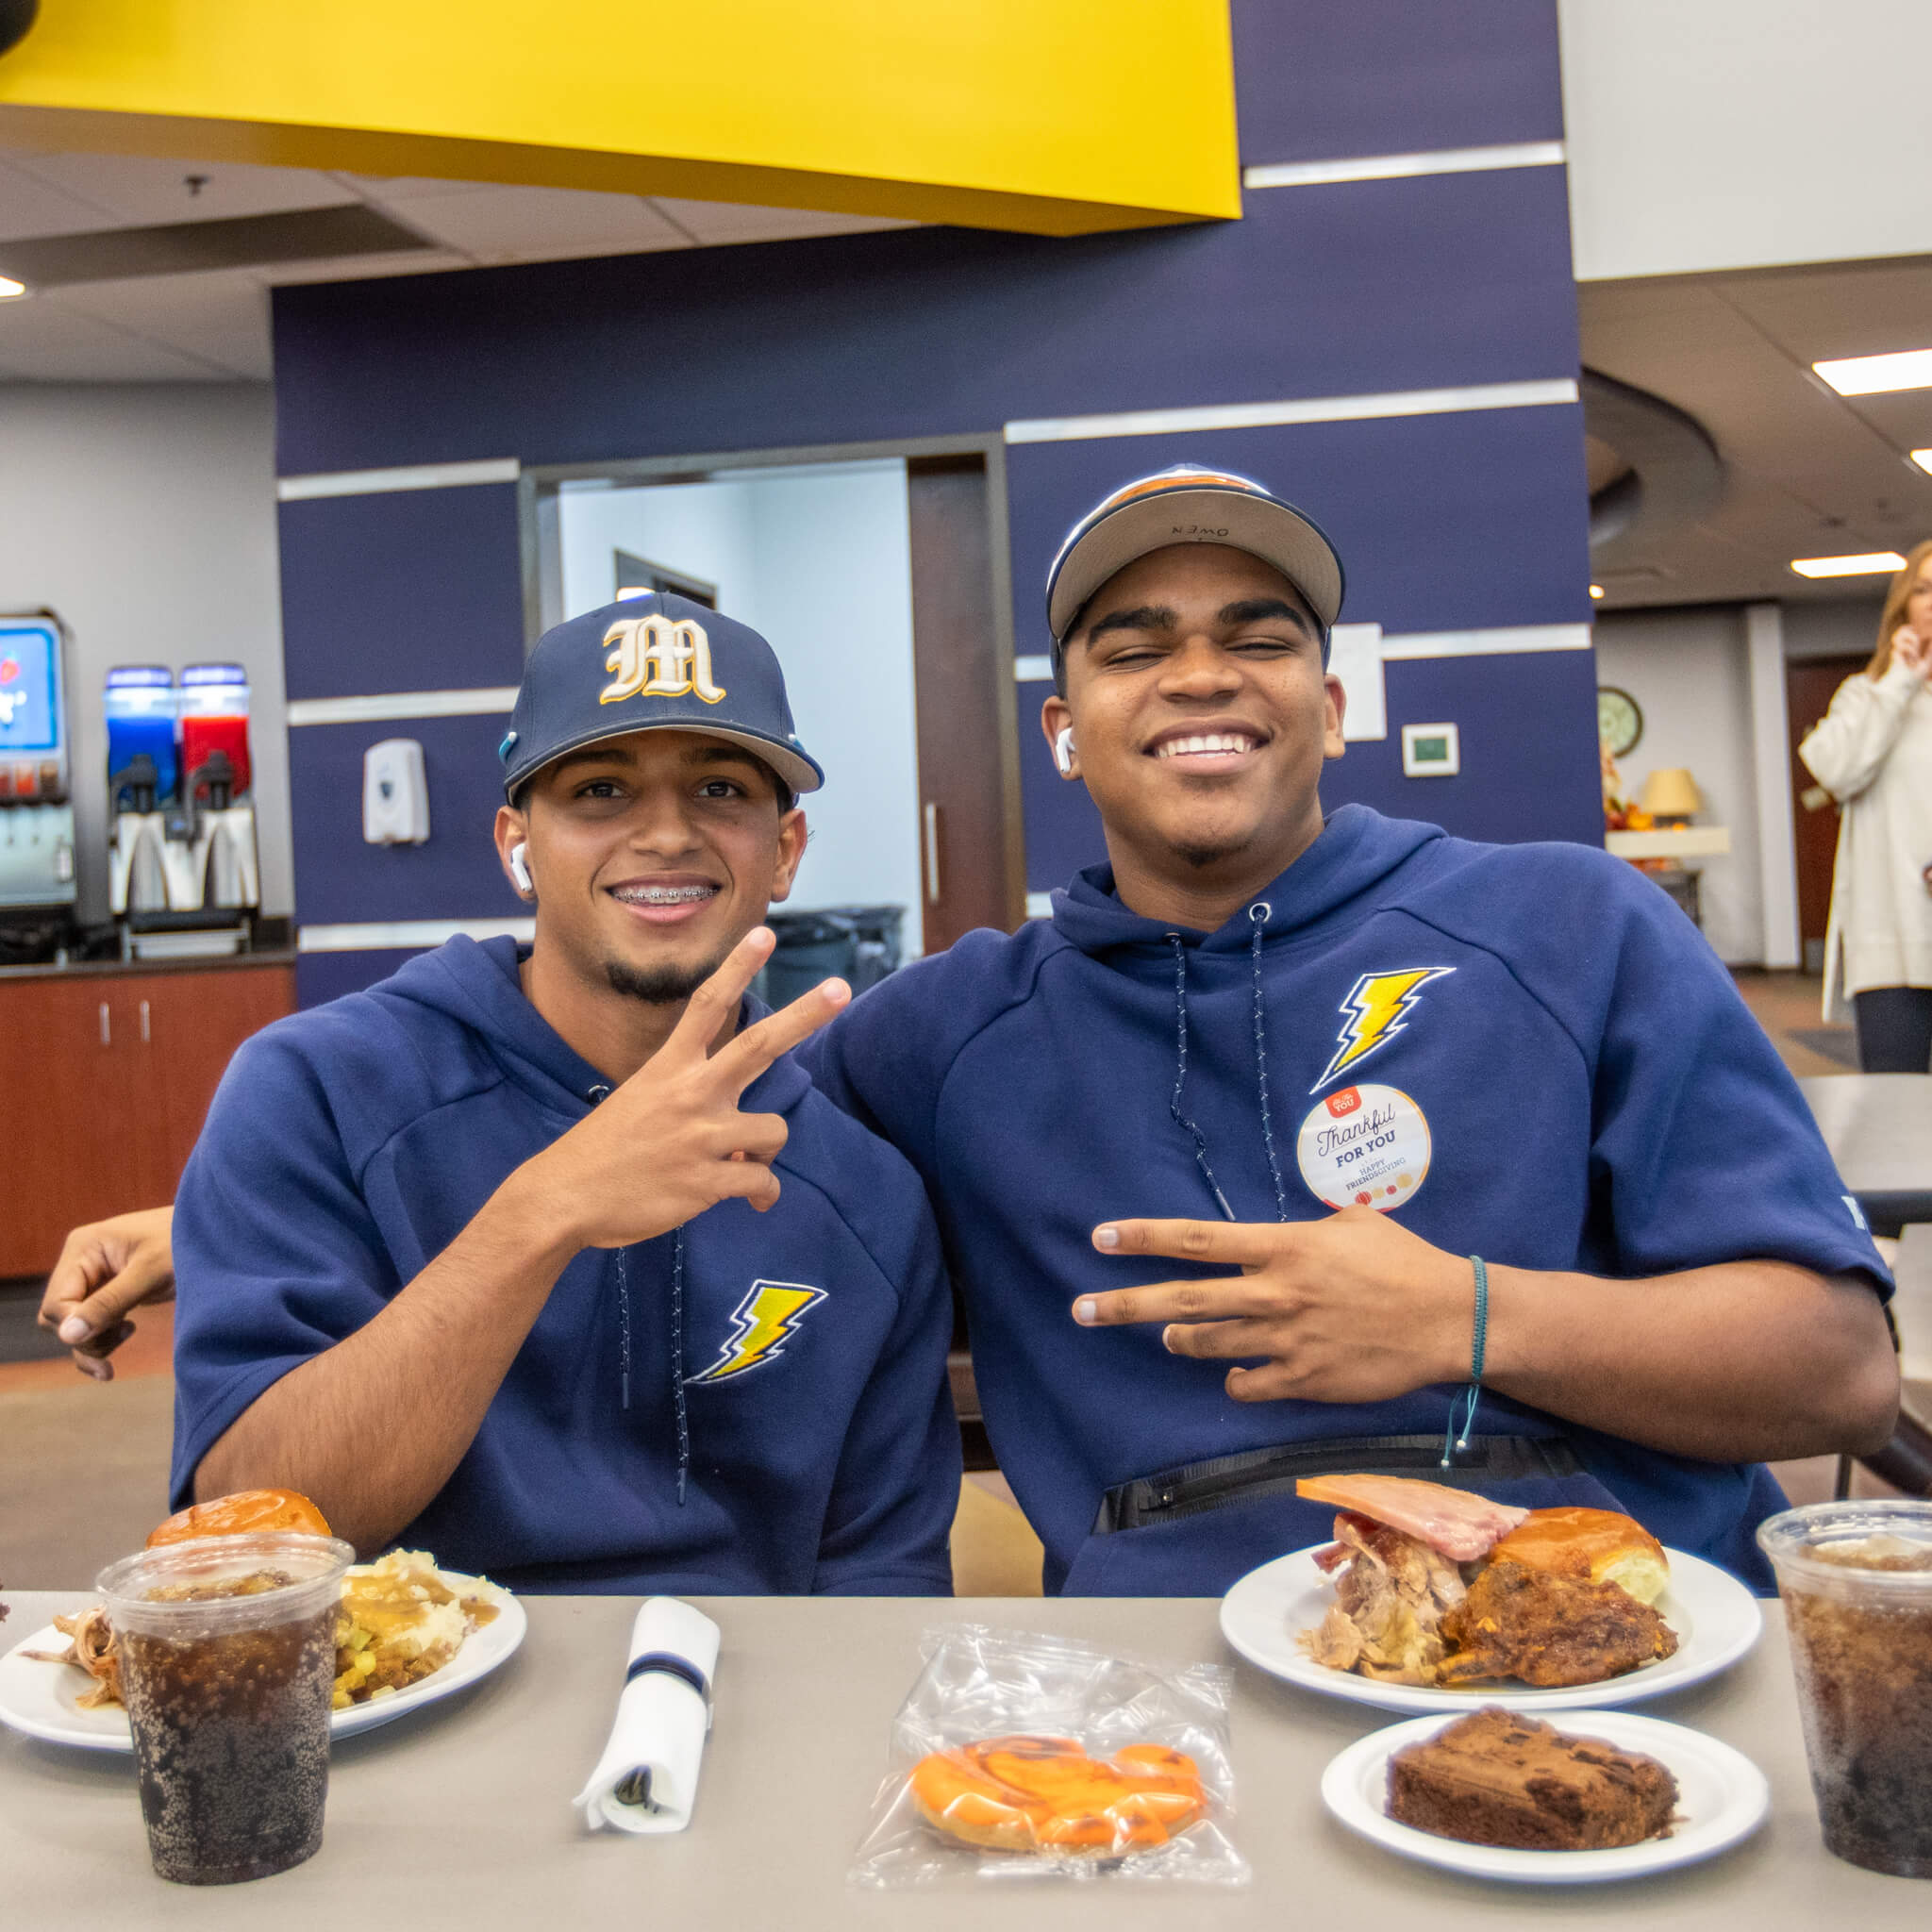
1872,752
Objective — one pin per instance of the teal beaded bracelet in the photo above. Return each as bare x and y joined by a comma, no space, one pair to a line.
1453,1438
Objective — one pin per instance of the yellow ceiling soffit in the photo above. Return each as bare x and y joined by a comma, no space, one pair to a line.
1058,117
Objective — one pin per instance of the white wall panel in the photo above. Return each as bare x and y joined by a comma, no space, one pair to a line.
1722,134
1689,671
145,516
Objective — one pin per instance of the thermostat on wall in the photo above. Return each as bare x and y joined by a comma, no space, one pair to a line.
1430,751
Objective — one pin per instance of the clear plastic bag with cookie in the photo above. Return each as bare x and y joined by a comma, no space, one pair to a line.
1018,1757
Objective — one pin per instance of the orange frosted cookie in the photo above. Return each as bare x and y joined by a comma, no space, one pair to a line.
1035,1794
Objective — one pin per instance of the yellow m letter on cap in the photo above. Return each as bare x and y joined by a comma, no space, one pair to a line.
659,656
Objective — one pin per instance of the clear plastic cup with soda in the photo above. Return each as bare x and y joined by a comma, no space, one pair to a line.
227,1661
1857,1584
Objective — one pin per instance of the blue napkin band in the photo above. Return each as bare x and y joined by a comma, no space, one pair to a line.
664,1663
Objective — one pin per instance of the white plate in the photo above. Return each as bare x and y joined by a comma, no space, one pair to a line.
40,1699
1722,1797
1717,1619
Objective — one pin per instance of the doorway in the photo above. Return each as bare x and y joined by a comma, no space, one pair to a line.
879,575
1810,684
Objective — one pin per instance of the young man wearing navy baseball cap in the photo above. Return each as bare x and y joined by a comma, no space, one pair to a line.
1469,1156
549,1260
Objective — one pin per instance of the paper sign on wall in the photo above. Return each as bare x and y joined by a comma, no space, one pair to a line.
1354,655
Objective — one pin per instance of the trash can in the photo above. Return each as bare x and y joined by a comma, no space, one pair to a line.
859,945
878,951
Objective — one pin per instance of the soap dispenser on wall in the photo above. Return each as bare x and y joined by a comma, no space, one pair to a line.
395,797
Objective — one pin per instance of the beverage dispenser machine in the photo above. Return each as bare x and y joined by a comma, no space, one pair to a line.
36,816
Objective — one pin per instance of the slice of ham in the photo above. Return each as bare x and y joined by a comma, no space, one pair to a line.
1454,1522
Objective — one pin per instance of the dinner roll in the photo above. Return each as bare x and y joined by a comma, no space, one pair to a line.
246,1510
1599,1544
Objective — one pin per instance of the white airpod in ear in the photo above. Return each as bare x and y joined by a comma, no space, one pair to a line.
1063,751
520,867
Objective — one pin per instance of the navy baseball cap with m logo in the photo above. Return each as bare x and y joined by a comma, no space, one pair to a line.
653,662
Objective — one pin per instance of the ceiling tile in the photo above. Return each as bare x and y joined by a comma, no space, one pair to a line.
516,224
712,222
411,187
217,317
47,341
28,207
141,191
361,268
1864,308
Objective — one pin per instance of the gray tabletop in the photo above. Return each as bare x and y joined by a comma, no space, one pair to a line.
461,1815
1879,1129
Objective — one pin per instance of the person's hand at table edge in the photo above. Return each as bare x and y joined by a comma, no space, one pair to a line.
107,1270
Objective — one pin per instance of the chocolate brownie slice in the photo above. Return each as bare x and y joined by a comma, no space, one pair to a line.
1497,1777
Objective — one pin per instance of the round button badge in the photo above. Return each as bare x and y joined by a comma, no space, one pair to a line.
1364,1147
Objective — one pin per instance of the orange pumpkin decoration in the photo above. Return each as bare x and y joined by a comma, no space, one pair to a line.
246,1510
1035,1794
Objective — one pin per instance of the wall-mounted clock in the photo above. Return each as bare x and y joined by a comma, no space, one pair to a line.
1618,722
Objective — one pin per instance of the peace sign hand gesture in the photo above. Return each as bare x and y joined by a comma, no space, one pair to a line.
671,1142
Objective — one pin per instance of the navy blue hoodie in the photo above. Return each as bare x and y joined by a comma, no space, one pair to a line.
785,1371
1597,1098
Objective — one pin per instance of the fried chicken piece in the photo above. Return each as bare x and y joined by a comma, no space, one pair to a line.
1549,1630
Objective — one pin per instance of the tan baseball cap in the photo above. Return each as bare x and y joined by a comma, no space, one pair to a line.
1189,504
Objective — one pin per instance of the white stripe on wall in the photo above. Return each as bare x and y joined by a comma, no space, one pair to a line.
1435,643
1038,904
416,477
386,935
1448,160
1414,402
1484,643
402,704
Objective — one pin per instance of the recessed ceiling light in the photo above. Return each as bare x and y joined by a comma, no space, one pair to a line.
1870,375
1923,457
9,289
1874,563
1596,591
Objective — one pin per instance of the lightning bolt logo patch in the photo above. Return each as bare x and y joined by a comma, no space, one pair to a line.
1373,1015
764,1320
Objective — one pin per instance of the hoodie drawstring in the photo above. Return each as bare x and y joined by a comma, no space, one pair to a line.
623,1328
677,1397
1259,915
677,1362
1180,1077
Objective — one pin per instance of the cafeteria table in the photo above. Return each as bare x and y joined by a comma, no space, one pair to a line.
1878,1127
459,1814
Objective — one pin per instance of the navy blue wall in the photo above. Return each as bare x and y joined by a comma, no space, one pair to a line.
1429,282
1471,520
405,590
1317,80
339,880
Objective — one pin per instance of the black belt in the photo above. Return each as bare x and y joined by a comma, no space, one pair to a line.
1196,1488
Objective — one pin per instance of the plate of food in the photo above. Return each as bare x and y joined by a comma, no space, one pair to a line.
406,1635
1434,1599
1577,1798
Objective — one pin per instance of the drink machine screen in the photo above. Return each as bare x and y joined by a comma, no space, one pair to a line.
33,747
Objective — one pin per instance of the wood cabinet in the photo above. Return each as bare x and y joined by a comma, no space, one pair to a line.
106,1077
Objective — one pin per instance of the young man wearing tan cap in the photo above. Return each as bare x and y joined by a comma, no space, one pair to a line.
1371,1113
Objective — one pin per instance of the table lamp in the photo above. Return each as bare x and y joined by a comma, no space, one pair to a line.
1670,796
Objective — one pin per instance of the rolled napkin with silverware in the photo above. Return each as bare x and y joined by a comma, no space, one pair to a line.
647,1777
